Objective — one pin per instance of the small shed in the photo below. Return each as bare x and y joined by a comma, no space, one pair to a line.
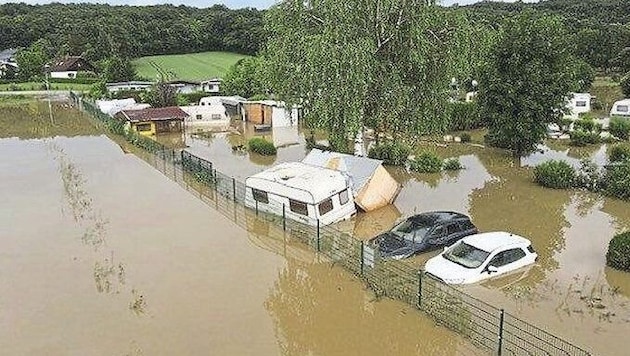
271,112
372,186
153,121
621,108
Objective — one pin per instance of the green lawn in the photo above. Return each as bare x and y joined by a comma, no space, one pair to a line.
193,66
40,86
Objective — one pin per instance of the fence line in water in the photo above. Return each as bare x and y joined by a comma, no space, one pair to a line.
486,326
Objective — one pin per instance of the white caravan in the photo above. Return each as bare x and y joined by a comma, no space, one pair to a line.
621,108
305,193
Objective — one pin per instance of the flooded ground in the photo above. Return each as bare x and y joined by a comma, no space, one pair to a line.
569,291
103,255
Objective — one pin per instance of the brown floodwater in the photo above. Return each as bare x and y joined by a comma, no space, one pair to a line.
569,291
101,254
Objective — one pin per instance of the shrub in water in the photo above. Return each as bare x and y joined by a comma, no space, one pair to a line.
617,181
619,153
585,124
452,164
582,138
262,146
620,128
618,255
555,174
465,137
391,153
589,176
426,162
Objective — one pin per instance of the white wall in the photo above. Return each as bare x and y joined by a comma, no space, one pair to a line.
69,74
206,115
579,103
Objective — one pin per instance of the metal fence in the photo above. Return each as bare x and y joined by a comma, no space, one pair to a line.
487,327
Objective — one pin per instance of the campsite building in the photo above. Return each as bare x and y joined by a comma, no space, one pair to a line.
114,106
302,192
185,86
70,67
209,113
152,121
372,186
211,85
270,112
621,108
128,86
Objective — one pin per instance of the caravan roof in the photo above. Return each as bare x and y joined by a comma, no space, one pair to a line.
299,181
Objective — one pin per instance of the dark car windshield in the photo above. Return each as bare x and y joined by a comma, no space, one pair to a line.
410,230
466,255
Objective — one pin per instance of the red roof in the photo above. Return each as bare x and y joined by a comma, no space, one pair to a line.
154,114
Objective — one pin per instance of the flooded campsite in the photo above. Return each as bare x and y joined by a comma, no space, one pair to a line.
103,254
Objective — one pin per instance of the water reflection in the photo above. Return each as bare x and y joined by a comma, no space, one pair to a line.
571,155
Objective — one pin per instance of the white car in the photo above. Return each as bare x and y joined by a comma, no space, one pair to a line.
481,256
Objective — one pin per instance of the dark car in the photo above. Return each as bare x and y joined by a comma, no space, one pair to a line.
423,232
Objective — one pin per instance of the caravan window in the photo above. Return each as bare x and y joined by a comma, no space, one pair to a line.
260,196
298,207
325,206
343,197
622,108
580,103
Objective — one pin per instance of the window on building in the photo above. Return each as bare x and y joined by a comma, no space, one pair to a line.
580,104
298,207
216,116
622,108
325,206
199,117
343,197
143,127
70,75
260,196
203,103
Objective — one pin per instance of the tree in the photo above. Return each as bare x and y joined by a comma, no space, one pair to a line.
625,85
245,78
31,60
161,94
526,82
584,75
117,69
622,61
386,63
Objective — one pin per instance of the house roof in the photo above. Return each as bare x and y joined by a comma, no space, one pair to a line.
212,80
72,63
182,82
154,114
133,82
359,169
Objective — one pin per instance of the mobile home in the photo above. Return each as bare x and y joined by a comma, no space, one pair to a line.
303,192
621,108
578,103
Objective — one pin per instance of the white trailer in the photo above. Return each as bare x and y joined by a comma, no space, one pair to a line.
302,192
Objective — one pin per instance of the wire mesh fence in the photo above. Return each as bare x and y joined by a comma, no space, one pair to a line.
484,325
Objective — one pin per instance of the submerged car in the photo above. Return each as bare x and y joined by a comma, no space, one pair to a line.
423,232
481,256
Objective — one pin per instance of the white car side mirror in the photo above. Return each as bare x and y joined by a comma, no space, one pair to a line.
492,269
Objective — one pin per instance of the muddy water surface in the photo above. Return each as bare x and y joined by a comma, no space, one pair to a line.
103,255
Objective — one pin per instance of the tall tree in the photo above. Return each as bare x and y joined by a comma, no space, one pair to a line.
31,60
245,78
526,82
388,61
117,69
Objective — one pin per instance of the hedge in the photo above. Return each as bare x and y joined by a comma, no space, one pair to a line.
619,153
262,146
620,127
618,255
426,162
555,174
391,153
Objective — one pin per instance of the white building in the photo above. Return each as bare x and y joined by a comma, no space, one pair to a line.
621,108
128,86
185,86
211,85
69,68
113,107
303,192
209,113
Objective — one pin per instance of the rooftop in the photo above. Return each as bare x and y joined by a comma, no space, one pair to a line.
154,114
72,63
490,241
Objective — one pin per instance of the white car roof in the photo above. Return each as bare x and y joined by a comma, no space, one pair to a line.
490,241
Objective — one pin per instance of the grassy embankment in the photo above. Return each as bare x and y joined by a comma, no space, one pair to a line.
192,66
27,86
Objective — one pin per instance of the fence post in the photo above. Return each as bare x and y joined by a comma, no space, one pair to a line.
214,178
284,218
362,258
419,289
500,349
318,237
256,206
234,188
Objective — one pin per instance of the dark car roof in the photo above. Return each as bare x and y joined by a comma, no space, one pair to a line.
434,217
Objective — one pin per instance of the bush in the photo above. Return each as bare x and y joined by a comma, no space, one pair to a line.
426,162
465,137
620,127
619,153
589,176
262,146
555,174
618,255
452,164
586,124
616,181
465,116
580,138
391,153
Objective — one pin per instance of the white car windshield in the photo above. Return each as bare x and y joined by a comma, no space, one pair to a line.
466,255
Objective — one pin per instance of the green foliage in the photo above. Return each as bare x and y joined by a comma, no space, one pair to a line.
77,80
527,79
618,255
620,127
262,146
584,75
465,137
245,78
98,90
31,60
391,153
452,164
581,138
117,69
589,176
161,95
426,162
622,60
465,116
616,181
555,174
586,124
619,152
352,63
625,85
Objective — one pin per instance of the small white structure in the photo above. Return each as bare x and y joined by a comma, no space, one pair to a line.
113,107
621,108
578,103
185,86
303,192
128,86
470,96
209,113
211,85
69,67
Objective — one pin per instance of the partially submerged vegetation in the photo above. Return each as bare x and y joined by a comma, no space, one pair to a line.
618,255
262,147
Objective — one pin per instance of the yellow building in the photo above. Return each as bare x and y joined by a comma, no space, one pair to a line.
152,121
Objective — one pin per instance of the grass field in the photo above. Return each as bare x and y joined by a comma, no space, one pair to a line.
40,86
193,66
